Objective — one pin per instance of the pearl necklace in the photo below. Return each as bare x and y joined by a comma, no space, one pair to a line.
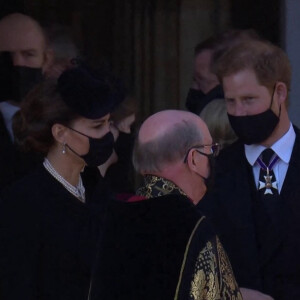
78,191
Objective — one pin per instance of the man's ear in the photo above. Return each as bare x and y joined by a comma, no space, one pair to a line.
281,92
48,59
192,160
59,133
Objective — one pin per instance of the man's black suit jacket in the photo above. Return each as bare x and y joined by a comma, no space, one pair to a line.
275,270
14,163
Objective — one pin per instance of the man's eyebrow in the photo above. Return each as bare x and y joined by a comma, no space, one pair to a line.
98,122
29,50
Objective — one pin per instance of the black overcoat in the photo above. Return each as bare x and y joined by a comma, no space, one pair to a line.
48,239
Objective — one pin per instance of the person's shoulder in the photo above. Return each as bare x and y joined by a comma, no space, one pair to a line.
25,187
230,151
295,157
20,200
231,155
181,207
297,131
202,233
296,128
172,207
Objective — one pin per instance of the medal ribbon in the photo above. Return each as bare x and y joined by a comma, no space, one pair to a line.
273,161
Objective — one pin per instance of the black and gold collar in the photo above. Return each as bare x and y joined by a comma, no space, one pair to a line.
155,186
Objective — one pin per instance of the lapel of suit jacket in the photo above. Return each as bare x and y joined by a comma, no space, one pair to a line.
291,178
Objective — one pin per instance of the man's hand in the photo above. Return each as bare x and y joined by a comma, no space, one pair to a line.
249,294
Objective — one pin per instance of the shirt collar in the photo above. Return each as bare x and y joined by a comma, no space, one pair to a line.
283,148
8,110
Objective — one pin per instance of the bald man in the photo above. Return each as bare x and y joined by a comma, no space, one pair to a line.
23,38
23,59
158,246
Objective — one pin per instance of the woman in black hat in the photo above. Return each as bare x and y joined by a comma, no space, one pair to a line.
48,230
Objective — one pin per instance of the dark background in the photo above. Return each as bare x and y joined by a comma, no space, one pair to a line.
106,32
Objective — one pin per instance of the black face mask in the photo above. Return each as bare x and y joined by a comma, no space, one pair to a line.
196,100
210,180
16,81
256,128
100,149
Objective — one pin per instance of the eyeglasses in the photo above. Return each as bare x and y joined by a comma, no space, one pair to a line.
214,150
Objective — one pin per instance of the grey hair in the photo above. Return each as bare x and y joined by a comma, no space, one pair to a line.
154,155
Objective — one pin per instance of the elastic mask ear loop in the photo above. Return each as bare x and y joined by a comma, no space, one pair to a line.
66,145
279,111
78,132
273,95
273,99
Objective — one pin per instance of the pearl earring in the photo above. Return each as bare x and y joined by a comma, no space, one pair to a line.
64,148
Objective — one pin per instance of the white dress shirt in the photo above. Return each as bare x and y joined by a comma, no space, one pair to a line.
8,111
283,148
